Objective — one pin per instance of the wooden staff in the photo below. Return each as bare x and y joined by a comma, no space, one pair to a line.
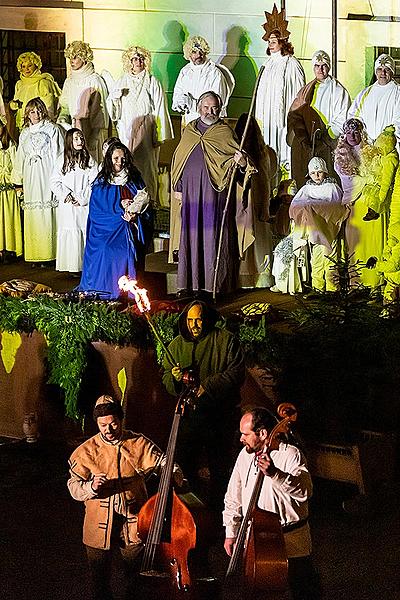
232,181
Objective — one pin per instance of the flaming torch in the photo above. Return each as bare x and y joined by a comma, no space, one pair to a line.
143,303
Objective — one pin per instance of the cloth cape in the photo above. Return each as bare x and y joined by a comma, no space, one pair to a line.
218,144
111,250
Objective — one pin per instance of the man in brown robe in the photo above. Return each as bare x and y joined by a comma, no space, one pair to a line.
201,169
316,118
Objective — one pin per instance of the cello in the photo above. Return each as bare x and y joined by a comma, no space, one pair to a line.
164,522
260,547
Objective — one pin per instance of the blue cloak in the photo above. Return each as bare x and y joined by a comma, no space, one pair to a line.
112,244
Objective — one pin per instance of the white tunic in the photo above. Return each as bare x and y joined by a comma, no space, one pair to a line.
280,82
286,494
71,219
331,101
378,106
80,107
40,146
194,80
137,103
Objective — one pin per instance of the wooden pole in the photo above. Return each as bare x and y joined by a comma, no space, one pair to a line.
334,38
232,181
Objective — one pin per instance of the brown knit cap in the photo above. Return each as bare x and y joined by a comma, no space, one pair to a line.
106,405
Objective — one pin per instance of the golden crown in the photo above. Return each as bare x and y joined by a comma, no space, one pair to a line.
276,22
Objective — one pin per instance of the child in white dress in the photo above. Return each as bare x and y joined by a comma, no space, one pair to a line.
71,183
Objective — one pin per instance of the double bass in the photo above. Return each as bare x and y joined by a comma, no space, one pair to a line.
259,554
165,523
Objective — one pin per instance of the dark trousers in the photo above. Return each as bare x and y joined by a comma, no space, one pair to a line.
100,566
303,579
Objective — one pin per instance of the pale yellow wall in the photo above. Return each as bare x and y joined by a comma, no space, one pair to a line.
233,29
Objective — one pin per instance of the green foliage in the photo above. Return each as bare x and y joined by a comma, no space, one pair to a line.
167,326
335,358
69,327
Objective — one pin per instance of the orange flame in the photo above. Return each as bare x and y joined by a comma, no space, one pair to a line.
141,298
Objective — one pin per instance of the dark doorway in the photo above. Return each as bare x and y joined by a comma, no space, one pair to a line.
50,47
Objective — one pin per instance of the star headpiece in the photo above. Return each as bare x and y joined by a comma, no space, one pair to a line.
276,22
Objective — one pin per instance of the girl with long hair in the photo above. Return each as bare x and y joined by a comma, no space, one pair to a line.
71,183
41,143
119,224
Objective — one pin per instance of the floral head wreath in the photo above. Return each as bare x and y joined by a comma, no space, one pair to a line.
196,42
32,56
79,49
130,52
276,22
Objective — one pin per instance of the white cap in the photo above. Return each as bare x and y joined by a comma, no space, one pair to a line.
317,164
322,58
384,60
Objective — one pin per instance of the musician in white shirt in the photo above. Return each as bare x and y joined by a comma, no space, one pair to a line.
286,489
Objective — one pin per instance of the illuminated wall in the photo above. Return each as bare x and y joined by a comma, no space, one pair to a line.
234,34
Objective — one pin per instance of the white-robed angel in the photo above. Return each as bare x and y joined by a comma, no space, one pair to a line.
41,143
138,106
83,98
282,78
71,184
200,75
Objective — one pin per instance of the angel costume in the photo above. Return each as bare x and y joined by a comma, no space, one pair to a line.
193,80
137,103
40,145
83,105
318,214
38,85
72,219
10,216
280,82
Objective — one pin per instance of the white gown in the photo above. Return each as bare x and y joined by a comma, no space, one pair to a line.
280,82
378,106
194,80
81,107
71,220
331,101
137,103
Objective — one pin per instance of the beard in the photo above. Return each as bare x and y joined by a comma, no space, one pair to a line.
209,120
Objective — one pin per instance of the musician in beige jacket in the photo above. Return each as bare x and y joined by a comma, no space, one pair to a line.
108,472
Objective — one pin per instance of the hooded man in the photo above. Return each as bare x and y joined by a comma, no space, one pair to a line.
378,105
316,118
215,357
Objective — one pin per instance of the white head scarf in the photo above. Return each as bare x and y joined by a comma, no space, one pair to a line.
317,164
321,57
384,60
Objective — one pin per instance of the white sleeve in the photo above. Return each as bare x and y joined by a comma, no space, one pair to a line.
232,513
57,186
83,196
341,106
180,95
18,166
160,110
